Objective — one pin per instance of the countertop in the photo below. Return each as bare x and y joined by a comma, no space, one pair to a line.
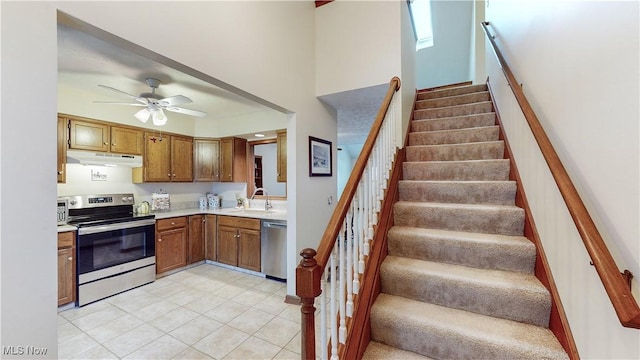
240,212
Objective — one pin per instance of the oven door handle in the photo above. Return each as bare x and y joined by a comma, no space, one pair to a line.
116,226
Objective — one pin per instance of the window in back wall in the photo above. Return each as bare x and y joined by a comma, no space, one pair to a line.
421,16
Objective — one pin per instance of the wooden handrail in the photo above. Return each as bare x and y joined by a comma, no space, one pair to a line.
615,283
342,207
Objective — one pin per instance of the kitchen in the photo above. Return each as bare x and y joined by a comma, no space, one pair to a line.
82,120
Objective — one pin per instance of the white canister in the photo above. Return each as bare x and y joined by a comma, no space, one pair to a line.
203,203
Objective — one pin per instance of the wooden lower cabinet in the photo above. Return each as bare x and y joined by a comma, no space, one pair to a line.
66,268
211,238
171,244
239,242
196,238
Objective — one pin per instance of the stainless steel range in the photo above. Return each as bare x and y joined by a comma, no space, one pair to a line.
115,247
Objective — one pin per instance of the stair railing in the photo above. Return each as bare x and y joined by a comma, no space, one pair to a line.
331,277
616,284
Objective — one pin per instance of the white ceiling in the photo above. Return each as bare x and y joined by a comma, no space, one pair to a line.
84,61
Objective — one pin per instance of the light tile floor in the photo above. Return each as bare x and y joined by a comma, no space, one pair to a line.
205,312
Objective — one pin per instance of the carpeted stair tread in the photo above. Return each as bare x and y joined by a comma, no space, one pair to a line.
462,99
455,152
468,135
465,170
476,290
443,333
380,351
454,122
463,192
483,251
452,91
451,111
492,219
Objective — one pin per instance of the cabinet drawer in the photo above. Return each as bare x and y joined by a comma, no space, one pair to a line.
65,239
171,223
239,222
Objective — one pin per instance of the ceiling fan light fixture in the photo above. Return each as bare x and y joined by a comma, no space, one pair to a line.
143,115
159,118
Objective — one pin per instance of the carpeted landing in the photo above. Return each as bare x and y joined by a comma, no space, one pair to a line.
458,282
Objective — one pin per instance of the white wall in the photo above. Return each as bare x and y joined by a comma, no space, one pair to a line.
582,82
28,243
447,61
265,48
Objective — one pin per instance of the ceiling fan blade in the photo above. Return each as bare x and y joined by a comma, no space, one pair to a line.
118,103
143,115
119,91
186,111
175,100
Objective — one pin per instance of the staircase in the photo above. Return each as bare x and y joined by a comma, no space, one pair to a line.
458,279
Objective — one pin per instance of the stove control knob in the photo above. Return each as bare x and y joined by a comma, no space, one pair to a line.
73,202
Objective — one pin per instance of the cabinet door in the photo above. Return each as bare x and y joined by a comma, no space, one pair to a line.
66,283
181,159
156,159
226,160
211,237
126,141
196,238
62,149
282,156
66,268
228,245
249,249
171,250
206,160
85,135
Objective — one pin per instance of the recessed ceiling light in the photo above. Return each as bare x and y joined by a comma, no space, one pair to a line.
259,135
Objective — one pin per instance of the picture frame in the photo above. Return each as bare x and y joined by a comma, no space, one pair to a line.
320,157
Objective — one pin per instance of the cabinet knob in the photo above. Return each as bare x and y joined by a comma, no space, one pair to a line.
106,143
159,240
174,175
169,175
60,172
173,223
70,258
113,144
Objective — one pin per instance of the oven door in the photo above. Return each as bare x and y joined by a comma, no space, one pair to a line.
106,246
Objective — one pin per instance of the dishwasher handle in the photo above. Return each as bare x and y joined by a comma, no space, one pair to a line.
268,224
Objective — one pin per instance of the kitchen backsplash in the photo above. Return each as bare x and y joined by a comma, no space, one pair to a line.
87,179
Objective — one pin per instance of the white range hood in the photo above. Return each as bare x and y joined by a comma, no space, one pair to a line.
104,159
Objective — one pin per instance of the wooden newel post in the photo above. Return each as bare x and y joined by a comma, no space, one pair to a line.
308,275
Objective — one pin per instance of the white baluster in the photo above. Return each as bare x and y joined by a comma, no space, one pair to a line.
333,308
341,285
323,314
349,270
361,225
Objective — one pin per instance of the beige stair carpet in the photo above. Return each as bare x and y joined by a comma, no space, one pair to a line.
458,282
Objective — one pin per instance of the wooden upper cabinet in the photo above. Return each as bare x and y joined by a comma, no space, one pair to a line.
206,160
126,141
282,156
167,158
233,159
181,158
157,161
88,135
62,149
100,136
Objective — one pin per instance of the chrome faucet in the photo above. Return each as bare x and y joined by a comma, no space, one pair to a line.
267,203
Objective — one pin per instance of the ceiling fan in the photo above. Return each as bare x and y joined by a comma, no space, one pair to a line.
154,104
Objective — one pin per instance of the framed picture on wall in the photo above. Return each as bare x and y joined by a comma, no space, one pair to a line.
320,160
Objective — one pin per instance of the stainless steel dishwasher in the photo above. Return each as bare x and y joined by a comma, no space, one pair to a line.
274,249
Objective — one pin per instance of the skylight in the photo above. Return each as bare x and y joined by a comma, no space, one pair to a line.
421,14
